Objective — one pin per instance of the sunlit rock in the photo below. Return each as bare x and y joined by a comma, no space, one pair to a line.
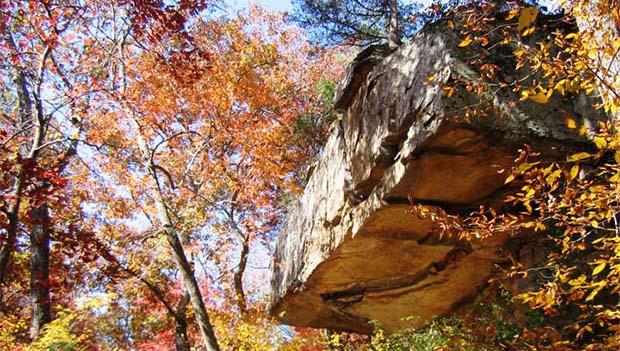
353,250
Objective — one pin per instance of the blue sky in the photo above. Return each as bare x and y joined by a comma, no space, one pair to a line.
273,5
285,5
277,5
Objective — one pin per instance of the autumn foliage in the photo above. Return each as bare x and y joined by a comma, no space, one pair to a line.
143,141
571,205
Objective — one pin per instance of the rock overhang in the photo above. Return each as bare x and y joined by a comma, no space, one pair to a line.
353,250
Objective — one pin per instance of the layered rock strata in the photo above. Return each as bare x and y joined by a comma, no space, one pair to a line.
352,249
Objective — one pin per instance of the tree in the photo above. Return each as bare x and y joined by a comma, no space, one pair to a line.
126,124
202,148
32,35
56,55
358,22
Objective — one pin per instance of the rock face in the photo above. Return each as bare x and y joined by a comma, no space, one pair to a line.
352,249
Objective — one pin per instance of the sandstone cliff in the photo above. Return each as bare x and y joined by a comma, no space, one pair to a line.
352,250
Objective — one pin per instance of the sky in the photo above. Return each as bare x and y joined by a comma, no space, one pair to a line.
272,5
285,5
278,5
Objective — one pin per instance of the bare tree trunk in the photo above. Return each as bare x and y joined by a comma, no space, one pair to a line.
31,114
39,270
394,40
181,340
187,274
40,256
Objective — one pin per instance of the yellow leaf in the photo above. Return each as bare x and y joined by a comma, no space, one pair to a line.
519,52
524,167
553,177
561,86
571,36
579,156
530,193
574,171
528,224
509,179
600,142
512,14
449,91
527,18
578,281
466,42
539,97
592,295
528,31
524,95
598,269
617,156
570,123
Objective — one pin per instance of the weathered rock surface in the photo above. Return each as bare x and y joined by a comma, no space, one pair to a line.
352,250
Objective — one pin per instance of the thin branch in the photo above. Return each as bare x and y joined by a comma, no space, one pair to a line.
14,135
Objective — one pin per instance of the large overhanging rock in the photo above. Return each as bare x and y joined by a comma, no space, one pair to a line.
352,250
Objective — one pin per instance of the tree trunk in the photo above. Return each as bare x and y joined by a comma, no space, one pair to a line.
238,279
39,270
394,40
25,107
9,243
181,342
187,274
189,281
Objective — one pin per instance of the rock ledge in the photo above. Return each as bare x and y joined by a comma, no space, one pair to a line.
352,250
